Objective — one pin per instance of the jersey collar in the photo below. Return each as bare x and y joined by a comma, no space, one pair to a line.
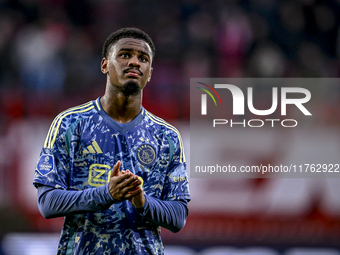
121,128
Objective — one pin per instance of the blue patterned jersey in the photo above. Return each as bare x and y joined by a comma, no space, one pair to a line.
79,152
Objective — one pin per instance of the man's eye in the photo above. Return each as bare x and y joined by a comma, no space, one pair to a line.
143,59
124,55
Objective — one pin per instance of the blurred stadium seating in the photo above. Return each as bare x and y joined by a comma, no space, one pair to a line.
50,53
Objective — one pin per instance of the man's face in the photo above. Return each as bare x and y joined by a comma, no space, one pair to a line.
129,59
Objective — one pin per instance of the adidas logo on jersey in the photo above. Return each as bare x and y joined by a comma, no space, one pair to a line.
94,148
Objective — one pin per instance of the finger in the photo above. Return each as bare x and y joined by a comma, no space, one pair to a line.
133,193
130,184
135,189
119,185
125,171
122,178
115,170
131,181
139,181
136,183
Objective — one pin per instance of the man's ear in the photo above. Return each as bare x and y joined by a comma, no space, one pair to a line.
104,66
150,74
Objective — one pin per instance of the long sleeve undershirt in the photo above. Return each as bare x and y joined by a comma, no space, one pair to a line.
57,203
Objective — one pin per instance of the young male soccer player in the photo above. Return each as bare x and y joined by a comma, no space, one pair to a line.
114,170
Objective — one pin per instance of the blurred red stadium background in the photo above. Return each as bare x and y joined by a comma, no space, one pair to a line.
50,53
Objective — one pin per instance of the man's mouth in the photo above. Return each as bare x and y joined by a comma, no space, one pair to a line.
133,72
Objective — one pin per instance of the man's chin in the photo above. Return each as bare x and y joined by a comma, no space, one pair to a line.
131,88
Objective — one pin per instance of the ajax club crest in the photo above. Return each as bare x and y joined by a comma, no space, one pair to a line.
146,154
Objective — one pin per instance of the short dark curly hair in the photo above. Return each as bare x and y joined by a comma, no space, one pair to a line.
128,32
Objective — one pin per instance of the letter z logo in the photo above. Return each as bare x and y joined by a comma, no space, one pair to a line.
96,174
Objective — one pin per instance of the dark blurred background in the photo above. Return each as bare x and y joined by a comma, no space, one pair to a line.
50,53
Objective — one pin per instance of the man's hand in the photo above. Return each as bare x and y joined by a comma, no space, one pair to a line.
124,185
137,200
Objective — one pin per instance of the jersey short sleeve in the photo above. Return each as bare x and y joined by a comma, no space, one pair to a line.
176,185
53,167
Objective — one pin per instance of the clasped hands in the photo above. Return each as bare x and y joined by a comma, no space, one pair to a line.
125,185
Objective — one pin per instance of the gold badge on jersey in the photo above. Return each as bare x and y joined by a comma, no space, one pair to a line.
146,154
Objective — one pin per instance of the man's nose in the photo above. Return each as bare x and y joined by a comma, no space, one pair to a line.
134,61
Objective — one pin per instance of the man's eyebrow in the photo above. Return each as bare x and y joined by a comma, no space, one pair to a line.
129,49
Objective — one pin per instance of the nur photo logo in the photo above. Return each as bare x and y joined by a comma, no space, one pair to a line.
264,128
204,97
280,96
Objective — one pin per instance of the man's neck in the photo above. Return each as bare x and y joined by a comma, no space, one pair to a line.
121,108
